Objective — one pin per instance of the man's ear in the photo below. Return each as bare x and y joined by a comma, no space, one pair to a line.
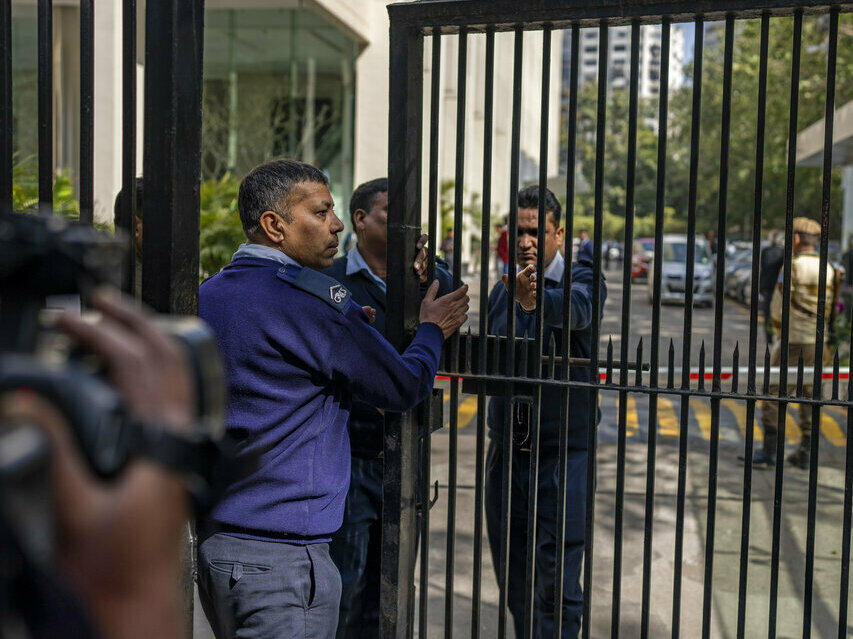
272,227
358,219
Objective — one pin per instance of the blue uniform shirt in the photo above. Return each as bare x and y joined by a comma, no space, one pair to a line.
296,350
367,289
525,325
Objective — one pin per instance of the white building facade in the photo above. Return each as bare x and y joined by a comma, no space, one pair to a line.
299,78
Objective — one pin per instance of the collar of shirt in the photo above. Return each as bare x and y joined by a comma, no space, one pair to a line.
266,252
554,271
356,263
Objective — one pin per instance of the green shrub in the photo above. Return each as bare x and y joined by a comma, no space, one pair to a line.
25,189
221,232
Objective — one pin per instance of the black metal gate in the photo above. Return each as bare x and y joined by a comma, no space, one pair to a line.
489,367
172,144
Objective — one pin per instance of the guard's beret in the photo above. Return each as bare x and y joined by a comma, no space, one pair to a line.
806,226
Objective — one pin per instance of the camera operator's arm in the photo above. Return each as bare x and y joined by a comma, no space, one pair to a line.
118,543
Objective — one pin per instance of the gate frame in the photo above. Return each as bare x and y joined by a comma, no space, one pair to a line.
409,23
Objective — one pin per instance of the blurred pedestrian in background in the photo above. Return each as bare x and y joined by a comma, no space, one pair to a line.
803,317
502,249
771,260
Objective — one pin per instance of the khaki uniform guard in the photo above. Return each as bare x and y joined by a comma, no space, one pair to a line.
803,318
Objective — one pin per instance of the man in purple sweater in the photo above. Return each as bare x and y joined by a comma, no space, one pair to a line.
297,349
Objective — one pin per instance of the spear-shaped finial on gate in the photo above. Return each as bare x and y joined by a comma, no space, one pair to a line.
609,378
702,366
552,356
835,364
800,365
735,362
639,381
670,381
496,355
767,370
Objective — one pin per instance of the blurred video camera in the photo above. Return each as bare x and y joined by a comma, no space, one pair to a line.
42,257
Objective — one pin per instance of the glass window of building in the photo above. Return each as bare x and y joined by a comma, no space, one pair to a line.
278,83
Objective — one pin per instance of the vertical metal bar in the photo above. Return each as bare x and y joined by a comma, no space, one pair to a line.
688,322
127,206
488,115
660,199
425,462
753,324
45,105
844,590
172,166
532,507
458,204
172,160
625,333
829,113
786,302
404,213
598,212
567,336
719,303
451,497
536,415
512,231
6,116
87,116
434,110
432,213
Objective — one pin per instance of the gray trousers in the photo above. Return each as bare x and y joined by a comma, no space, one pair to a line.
263,589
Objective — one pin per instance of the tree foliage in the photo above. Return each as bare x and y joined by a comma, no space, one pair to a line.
744,108
744,114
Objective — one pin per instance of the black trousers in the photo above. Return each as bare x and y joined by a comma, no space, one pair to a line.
546,541
356,550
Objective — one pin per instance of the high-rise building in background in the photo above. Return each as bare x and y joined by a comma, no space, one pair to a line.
619,62
619,58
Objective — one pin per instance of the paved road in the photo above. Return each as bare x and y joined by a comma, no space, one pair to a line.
728,529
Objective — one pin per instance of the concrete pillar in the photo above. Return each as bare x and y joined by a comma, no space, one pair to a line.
107,106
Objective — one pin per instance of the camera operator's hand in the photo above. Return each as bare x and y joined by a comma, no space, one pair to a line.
119,543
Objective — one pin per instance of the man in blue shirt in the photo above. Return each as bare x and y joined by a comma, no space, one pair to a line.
296,350
356,547
530,241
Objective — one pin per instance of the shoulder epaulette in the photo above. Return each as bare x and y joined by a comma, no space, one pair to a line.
326,288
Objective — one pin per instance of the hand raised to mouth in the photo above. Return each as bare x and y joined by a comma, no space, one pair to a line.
525,287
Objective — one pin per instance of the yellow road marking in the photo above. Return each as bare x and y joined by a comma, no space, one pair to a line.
831,430
667,421
466,412
738,409
793,434
702,412
632,426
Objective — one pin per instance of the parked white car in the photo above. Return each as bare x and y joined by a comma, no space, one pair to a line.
674,271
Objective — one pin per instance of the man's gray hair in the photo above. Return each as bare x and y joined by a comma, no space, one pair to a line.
267,187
